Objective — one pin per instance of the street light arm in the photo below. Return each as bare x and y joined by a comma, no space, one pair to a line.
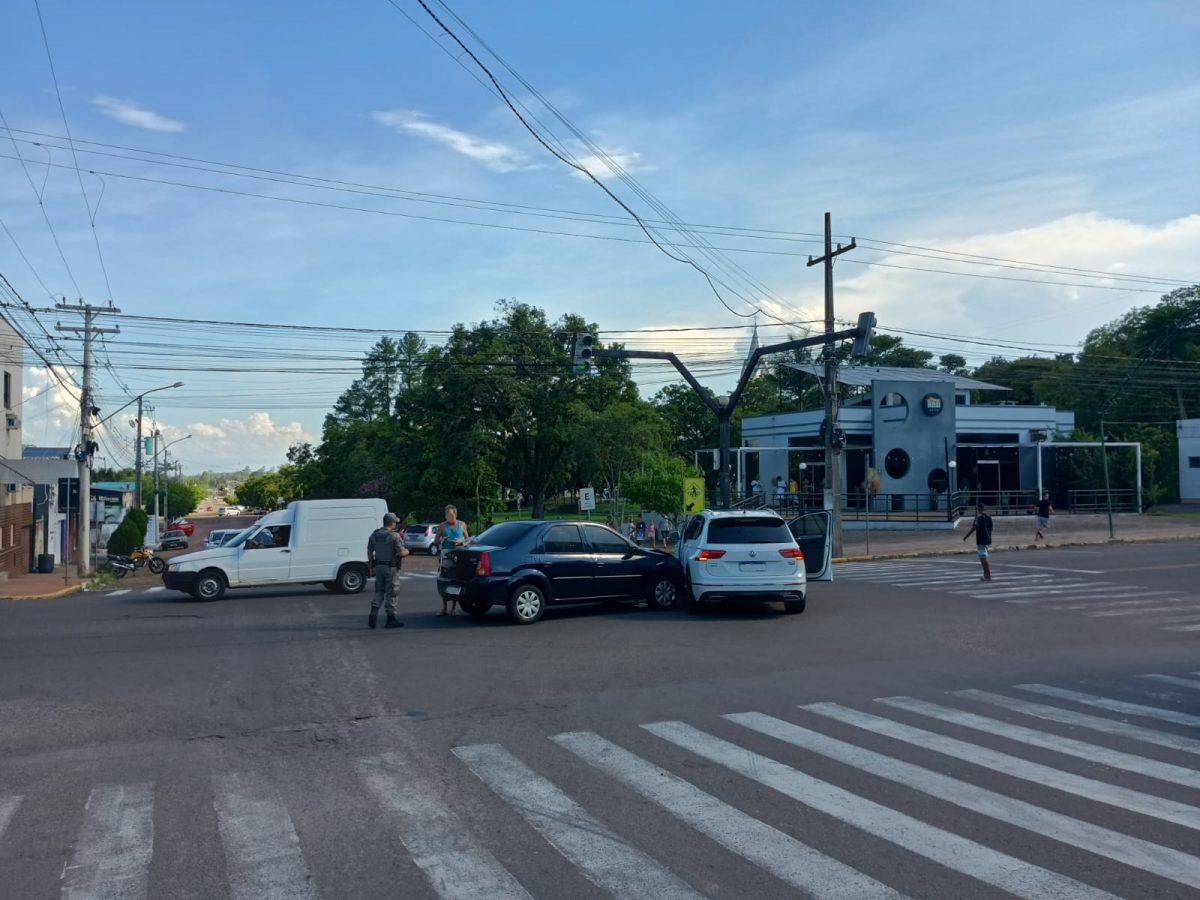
165,387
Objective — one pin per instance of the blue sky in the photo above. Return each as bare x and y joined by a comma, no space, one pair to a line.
1064,133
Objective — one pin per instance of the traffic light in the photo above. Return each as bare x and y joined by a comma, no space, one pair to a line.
583,353
866,333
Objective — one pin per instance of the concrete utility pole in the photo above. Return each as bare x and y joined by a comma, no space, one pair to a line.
86,411
833,449
137,466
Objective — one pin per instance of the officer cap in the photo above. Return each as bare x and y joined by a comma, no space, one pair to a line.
390,519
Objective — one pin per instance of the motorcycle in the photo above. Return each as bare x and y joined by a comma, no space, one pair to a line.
121,565
143,556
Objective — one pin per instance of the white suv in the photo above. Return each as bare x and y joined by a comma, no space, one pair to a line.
744,555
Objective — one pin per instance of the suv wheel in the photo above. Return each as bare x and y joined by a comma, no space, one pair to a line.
526,604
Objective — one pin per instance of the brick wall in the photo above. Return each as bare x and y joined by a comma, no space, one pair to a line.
16,533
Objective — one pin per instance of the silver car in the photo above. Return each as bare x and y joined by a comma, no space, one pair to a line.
421,538
220,536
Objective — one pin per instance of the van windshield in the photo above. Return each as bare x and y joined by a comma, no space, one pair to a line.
240,538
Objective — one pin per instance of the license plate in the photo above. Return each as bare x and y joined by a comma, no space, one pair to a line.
752,566
453,589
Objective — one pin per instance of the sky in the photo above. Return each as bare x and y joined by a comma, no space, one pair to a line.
1063,135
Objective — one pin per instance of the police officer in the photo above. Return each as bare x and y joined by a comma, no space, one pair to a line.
385,549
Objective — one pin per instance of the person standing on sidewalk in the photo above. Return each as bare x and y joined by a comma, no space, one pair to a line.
385,550
1044,509
982,529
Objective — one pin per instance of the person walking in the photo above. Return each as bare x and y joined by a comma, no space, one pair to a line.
652,533
639,532
453,533
1044,509
982,529
385,550
780,490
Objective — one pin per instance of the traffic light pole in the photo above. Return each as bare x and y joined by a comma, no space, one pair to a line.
724,411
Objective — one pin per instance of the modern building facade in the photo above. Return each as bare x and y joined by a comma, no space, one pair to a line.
1188,434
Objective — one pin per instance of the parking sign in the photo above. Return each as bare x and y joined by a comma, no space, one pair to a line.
587,499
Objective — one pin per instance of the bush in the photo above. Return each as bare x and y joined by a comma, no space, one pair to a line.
127,538
140,520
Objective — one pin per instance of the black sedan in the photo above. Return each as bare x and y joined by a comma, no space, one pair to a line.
528,565
173,540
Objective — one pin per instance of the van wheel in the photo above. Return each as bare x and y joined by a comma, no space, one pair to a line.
351,579
526,604
209,586
793,607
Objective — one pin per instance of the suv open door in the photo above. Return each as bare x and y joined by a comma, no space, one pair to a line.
814,534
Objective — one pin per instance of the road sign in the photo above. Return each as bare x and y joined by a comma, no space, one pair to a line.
587,499
693,494
68,495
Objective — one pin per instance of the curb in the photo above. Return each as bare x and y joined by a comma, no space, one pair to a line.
913,554
64,592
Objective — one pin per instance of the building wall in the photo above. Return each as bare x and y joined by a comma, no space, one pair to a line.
918,442
12,367
1188,433
16,538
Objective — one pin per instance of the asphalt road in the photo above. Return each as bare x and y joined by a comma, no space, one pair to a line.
270,746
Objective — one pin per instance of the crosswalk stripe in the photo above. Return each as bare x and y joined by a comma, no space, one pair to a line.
423,574
262,852
1182,628
1082,749
1042,594
8,809
951,850
112,853
604,858
155,590
1157,618
119,593
1145,855
1086,720
1120,706
1172,680
1016,767
454,862
1140,611
786,858
1102,593
1110,604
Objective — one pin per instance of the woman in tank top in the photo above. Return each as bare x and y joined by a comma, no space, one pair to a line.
453,533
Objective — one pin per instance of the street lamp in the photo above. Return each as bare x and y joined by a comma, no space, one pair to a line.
953,466
803,467
137,489
165,448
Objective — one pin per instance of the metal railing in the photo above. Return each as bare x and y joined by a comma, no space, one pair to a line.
929,507
1093,501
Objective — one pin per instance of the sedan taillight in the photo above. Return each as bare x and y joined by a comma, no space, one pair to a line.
707,554
483,568
792,553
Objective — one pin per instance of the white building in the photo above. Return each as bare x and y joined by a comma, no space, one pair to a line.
16,488
1188,433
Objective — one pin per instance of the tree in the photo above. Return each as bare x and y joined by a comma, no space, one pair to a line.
262,491
659,486
613,440
372,396
952,364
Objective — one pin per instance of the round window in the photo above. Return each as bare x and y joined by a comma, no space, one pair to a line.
896,463
932,404
938,481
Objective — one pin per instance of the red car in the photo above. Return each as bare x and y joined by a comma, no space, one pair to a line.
184,525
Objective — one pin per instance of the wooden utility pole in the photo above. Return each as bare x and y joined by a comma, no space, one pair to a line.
833,442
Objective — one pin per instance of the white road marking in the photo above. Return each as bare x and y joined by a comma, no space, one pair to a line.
1119,706
423,574
8,808
1157,618
455,863
1043,594
1008,565
120,592
112,853
1181,628
1107,604
1149,857
1172,680
951,850
262,852
155,590
797,864
1069,746
606,859
1140,611
1090,788
1086,720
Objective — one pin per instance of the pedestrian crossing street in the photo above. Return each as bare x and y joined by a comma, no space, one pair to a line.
159,588
1063,750
1072,590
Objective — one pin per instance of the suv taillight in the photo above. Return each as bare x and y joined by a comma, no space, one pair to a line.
792,553
483,568
707,554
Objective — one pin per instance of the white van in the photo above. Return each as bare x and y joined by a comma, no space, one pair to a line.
310,542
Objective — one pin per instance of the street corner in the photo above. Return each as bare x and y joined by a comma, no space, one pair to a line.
50,595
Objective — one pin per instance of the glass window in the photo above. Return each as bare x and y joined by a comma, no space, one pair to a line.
605,541
694,528
503,535
749,530
563,539
897,462
1194,462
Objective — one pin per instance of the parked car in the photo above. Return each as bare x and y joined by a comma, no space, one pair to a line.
741,555
220,536
173,540
185,526
311,542
528,565
423,538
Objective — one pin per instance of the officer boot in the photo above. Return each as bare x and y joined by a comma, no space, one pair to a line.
373,618
393,622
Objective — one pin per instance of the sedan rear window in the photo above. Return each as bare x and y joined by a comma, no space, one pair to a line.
414,529
504,535
763,530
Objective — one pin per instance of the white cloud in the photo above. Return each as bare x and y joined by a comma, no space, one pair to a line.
497,156
228,444
616,161
128,112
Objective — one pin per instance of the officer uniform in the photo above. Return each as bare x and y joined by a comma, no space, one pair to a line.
385,549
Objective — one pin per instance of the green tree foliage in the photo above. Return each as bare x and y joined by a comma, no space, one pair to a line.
140,520
183,495
263,491
126,538
613,441
659,485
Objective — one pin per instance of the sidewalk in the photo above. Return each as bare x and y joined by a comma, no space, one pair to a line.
36,586
1016,533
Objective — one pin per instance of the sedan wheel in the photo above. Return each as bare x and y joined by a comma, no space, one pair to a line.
526,604
662,594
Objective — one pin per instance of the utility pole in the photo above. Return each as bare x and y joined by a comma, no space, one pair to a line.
86,411
833,444
137,467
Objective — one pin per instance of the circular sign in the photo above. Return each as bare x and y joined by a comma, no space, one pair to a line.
931,404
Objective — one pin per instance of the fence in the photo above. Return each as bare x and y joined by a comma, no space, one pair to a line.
887,507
